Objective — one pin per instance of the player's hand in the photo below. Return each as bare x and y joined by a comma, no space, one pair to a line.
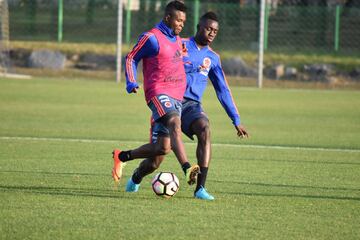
135,90
241,131
132,87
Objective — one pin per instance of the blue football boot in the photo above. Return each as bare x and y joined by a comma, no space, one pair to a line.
203,194
131,186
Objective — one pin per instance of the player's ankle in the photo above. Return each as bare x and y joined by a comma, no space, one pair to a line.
125,156
185,167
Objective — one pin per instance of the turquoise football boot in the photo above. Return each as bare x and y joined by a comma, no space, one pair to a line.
203,194
131,186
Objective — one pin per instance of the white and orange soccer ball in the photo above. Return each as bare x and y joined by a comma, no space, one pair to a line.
165,184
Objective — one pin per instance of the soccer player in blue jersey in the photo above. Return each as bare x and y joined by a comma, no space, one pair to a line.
202,63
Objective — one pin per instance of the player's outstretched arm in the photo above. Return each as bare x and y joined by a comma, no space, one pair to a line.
241,131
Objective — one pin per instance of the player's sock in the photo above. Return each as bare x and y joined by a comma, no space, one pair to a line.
125,156
136,177
185,166
201,179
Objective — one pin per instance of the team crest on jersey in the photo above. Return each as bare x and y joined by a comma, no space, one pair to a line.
205,67
207,62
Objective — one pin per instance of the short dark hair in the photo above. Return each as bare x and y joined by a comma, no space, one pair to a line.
175,6
209,15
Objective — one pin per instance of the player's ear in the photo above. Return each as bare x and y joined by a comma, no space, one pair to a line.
167,18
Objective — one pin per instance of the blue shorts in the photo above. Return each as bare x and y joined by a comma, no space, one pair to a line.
191,111
162,107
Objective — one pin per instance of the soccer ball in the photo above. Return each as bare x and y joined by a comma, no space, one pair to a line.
165,184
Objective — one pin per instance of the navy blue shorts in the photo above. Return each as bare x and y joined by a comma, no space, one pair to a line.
162,106
158,129
191,111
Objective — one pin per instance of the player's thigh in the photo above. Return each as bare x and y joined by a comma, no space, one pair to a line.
159,136
173,123
201,127
192,111
163,144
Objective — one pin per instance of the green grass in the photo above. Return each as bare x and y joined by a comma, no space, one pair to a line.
297,177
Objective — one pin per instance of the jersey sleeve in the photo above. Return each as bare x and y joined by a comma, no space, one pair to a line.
147,46
223,93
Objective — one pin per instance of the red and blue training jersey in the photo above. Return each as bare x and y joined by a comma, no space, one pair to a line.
163,69
202,64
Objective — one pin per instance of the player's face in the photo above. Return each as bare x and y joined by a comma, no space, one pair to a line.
208,31
176,21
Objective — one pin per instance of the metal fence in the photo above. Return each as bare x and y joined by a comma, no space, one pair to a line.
311,42
287,28
4,36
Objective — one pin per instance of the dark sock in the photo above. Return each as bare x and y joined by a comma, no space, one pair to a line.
125,156
185,166
201,179
136,177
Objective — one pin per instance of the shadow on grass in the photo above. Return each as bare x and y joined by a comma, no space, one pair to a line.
294,196
83,192
73,192
287,186
87,192
109,192
55,173
294,161
115,194
291,195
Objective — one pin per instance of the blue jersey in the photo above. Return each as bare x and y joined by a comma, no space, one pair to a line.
202,64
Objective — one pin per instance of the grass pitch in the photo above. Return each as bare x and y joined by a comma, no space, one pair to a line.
297,177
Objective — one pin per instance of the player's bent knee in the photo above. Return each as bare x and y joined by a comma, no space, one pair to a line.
206,129
177,131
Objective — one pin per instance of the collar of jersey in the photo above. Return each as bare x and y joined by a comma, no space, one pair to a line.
193,42
168,32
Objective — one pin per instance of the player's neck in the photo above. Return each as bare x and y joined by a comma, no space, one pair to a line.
198,43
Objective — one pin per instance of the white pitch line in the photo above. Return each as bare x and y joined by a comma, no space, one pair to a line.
288,147
214,144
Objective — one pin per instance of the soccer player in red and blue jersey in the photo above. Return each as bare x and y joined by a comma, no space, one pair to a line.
164,87
202,63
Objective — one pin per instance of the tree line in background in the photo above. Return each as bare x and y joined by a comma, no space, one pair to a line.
151,5
292,25
96,3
